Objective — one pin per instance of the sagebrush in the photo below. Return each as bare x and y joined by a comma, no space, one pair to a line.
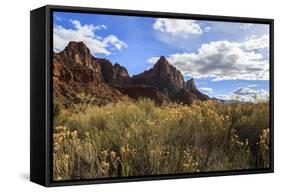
140,138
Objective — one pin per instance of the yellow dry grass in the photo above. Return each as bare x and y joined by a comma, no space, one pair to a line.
134,139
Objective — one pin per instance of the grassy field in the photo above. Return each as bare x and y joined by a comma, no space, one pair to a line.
139,138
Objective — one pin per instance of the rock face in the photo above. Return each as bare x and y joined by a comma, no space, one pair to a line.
113,74
76,71
75,64
190,85
163,75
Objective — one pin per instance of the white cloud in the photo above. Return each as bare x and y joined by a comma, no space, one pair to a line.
255,42
245,25
103,27
252,85
152,60
245,94
244,91
222,60
111,39
86,33
58,18
179,27
207,29
206,90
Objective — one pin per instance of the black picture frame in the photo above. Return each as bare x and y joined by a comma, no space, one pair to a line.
41,38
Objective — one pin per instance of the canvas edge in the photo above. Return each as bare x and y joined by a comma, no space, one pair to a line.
37,96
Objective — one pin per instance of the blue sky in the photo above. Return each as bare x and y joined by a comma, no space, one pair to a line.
221,56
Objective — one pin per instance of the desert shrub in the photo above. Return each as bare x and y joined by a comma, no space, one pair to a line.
56,109
263,159
139,138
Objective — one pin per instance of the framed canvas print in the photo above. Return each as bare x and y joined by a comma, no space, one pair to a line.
119,95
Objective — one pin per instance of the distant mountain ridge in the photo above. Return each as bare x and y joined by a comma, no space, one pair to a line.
76,71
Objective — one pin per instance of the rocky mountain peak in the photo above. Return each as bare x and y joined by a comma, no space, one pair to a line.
75,63
162,66
162,61
78,47
163,75
113,74
82,72
120,70
191,87
190,84
78,53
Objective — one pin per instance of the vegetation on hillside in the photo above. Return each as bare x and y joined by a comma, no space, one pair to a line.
139,138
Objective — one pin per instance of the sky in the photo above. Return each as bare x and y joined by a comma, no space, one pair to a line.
228,60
